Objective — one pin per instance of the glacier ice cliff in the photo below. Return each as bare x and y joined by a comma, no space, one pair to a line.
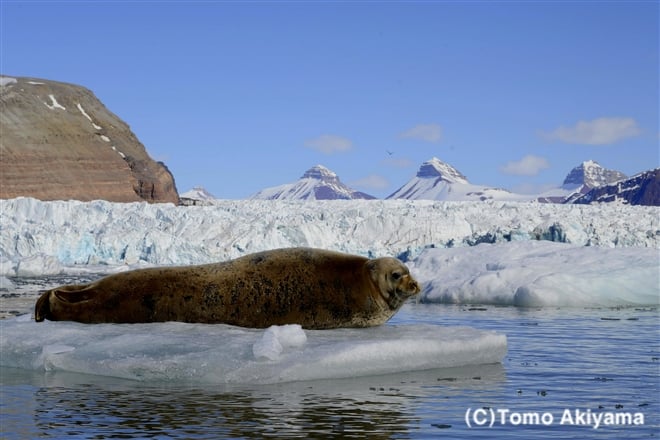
38,237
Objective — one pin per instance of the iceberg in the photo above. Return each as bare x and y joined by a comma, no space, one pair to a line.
222,354
536,274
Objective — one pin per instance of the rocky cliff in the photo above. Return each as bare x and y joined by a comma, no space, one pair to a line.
641,189
590,174
58,141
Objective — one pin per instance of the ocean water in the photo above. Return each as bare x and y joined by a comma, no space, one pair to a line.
567,373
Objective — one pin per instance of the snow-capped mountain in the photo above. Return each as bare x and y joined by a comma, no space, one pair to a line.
641,189
197,196
318,183
579,181
589,174
437,180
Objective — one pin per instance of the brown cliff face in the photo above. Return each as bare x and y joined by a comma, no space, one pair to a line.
59,142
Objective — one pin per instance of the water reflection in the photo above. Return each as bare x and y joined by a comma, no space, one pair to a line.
380,407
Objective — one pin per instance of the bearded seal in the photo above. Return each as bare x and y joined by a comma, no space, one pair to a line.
315,288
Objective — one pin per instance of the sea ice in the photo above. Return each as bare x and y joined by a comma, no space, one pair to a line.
276,338
538,273
6,283
226,354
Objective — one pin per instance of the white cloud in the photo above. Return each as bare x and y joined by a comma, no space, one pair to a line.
527,166
329,143
424,132
371,182
600,131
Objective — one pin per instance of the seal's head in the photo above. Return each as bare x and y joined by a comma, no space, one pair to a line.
393,280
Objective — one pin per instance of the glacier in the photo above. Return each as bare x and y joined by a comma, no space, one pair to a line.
38,236
522,254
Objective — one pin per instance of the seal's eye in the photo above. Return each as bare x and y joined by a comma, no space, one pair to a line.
396,275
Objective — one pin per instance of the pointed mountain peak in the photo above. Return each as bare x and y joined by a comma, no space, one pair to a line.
590,175
318,183
197,196
435,168
590,164
319,172
198,193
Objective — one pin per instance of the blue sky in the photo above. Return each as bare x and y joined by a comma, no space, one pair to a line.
239,96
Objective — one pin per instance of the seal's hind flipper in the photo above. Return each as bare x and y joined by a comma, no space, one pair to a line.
73,294
42,308
65,294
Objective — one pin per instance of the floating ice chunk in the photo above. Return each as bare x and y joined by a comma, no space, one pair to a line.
291,335
7,266
54,104
6,283
276,338
268,347
38,265
533,274
56,348
225,354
